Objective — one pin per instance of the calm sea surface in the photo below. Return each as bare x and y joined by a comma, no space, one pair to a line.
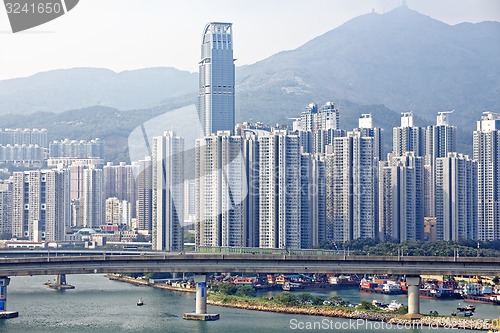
100,305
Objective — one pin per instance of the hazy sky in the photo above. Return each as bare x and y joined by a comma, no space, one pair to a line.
126,34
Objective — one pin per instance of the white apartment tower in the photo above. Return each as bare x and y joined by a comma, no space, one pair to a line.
318,127
440,140
351,213
167,192
487,155
92,202
408,137
401,205
279,190
456,197
221,185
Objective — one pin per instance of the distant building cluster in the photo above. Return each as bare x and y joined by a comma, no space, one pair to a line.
23,147
256,185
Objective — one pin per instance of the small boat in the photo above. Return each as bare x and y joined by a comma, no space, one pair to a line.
463,314
468,308
140,302
394,306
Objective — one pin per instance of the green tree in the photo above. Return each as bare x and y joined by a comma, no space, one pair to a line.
246,291
228,289
286,299
304,297
365,305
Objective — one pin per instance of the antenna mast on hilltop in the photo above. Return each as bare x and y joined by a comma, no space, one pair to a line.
403,3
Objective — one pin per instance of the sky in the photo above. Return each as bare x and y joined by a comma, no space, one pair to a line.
126,35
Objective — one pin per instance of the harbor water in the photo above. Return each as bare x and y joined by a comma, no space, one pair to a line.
101,305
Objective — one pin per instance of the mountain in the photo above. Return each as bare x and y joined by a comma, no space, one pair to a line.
401,59
65,89
379,63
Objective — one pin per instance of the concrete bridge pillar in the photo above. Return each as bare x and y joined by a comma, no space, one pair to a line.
413,285
201,293
61,279
201,301
60,283
4,282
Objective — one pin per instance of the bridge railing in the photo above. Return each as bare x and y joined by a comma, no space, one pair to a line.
256,250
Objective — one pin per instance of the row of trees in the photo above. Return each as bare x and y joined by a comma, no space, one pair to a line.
464,248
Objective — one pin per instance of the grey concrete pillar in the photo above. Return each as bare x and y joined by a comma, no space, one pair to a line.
413,285
61,279
4,282
201,294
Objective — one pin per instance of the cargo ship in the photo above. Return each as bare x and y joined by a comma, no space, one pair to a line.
477,292
487,299
440,293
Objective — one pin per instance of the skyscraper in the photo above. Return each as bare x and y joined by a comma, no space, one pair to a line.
168,192
401,206
221,216
456,197
6,209
313,200
279,190
216,90
440,140
353,182
144,185
365,127
487,154
92,202
408,137
318,127
40,204
119,182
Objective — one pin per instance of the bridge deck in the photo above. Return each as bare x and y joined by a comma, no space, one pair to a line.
51,263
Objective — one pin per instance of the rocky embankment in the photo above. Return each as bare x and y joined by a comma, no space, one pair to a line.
389,318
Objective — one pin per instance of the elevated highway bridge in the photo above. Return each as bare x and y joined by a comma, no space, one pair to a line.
61,262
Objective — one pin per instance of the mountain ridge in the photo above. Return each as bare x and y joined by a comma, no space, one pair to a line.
401,60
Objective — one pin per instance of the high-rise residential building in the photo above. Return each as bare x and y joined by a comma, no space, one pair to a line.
351,214
216,102
189,200
440,140
279,190
168,192
456,197
313,200
401,201
22,155
318,127
117,212
40,204
487,155
366,128
19,136
76,149
119,182
408,137
6,188
92,201
144,185
221,215
251,157
76,192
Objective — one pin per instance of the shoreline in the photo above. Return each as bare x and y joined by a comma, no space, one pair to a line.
389,318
